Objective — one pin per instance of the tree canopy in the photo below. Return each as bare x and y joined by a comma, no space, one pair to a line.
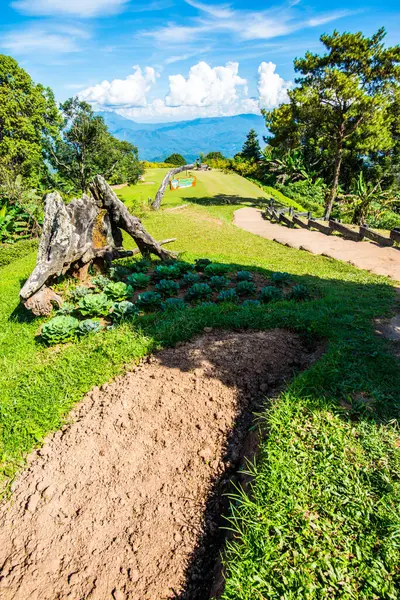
176,159
251,148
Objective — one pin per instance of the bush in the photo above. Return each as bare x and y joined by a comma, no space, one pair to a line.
299,292
216,269
89,326
149,300
190,278
66,308
218,282
270,294
140,266
118,291
246,288
307,194
94,305
198,291
280,277
138,281
100,282
59,330
184,267
244,276
11,252
167,287
250,303
174,304
124,310
166,272
201,263
119,273
79,292
228,296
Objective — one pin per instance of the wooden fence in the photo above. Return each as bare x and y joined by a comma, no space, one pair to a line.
290,218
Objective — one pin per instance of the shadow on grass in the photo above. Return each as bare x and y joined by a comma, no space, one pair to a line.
225,200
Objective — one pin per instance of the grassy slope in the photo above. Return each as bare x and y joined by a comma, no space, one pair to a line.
324,519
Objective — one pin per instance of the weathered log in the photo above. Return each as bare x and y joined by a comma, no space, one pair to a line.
300,222
375,236
395,235
317,225
161,190
346,232
86,231
285,220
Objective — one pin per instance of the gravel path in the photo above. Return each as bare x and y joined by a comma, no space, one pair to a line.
364,255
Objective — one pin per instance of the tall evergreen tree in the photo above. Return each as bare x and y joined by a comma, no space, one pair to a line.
251,150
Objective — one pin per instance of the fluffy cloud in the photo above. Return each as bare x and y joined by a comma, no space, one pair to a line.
206,86
272,88
130,92
80,8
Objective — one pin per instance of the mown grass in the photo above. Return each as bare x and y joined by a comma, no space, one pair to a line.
323,516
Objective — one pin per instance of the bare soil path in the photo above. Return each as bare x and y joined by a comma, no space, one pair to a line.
364,255
124,502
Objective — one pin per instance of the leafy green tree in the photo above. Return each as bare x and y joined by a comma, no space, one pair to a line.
251,150
28,118
87,149
341,103
214,156
176,159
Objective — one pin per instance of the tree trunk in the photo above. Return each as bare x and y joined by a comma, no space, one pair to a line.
336,175
161,190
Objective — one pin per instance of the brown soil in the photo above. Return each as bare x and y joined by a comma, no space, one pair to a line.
125,501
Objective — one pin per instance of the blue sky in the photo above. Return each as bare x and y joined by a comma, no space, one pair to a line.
166,60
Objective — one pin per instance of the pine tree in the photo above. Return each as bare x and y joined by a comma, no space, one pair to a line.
251,148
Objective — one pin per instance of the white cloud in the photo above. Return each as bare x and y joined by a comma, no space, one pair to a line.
327,18
80,8
122,92
206,86
39,39
272,88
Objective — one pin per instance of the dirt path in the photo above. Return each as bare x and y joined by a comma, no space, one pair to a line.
368,256
124,502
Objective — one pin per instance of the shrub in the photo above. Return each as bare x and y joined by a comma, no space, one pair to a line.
166,272
216,269
207,304
218,282
100,282
94,305
270,293
59,330
280,277
198,291
174,304
244,276
250,303
79,292
184,267
119,273
201,263
299,292
245,288
190,278
140,266
149,300
167,287
66,308
138,281
228,296
89,326
118,291
124,310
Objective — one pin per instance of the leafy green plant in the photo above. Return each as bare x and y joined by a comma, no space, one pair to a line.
174,304
244,276
123,310
79,292
118,291
94,305
167,287
228,296
270,293
59,330
201,264
280,278
66,308
190,278
299,292
140,266
89,326
119,272
166,272
207,304
100,282
149,300
184,267
250,303
198,291
245,288
216,269
138,281
218,282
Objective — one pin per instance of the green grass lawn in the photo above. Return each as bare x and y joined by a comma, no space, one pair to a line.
323,517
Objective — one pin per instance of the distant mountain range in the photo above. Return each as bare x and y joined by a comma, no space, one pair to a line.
156,141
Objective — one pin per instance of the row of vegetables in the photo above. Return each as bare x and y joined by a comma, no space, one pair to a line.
107,301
